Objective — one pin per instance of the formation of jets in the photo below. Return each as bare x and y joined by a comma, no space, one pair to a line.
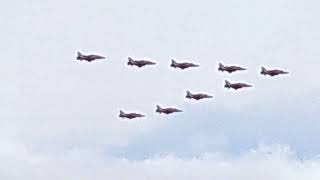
183,65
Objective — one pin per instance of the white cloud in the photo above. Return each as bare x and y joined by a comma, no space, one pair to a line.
264,163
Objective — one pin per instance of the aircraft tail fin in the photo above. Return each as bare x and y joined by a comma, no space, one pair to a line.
130,60
227,82
122,113
158,108
79,55
173,63
189,93
221,67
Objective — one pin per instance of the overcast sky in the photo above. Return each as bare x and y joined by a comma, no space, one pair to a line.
59,117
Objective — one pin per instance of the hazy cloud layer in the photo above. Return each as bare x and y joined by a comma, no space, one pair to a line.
264,163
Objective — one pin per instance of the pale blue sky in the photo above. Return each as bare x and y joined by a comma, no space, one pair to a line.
54,108
215,129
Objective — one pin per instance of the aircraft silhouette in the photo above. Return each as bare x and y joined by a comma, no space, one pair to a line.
139,63
130,115
88,58
197,96
273,72
230,69
183,65
168,110
236,86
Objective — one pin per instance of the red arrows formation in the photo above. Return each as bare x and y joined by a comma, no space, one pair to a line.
182,65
